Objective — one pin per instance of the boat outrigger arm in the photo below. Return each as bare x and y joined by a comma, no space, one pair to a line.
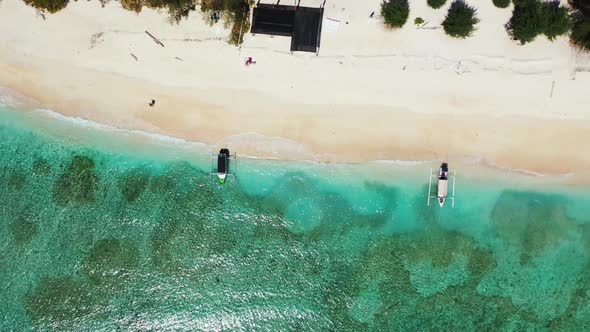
224,163
443,176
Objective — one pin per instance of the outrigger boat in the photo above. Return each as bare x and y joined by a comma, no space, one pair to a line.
442,191
223,165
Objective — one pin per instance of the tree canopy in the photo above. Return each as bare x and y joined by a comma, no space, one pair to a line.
533,17
460,20
395,12
236,13
501,3
556,19
52,6
436,4
580,35
525,23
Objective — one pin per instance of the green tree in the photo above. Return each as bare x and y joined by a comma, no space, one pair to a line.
526,21
461,20
580,35
134,5
436,4
177,9
395,12
52,6
556,19
235,15
581,5
501,3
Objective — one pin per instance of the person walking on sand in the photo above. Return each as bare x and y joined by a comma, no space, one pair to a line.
249,61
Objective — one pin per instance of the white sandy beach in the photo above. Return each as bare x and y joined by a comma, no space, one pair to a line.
371,94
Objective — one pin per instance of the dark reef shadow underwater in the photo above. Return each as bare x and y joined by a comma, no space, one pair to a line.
92,239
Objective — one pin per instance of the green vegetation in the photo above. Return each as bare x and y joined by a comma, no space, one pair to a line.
580,35
533,17
436,4
556,19
23,230
525,23
395,12
461,20
418,20
133,185
501,3
78,183
134,5
235,14
177,9
52,6
41,167
17,179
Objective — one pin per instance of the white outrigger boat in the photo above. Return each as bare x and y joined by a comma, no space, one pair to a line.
442,188
223,165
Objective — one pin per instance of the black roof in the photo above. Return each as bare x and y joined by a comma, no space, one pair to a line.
303,24
273,20
307,29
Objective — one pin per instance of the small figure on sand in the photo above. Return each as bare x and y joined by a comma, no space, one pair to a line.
152,103
249,61
215,16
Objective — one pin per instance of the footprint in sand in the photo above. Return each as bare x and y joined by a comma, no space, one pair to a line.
95,39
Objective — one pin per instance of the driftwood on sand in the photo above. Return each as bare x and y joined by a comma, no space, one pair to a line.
41,14
156,40
134,56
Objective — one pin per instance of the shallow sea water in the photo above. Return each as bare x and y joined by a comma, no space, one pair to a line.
103,229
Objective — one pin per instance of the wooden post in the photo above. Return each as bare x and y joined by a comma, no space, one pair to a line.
319,36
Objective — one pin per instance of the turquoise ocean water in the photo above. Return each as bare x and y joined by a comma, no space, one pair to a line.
103,229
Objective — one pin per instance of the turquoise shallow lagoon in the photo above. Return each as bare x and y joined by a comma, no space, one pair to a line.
103,229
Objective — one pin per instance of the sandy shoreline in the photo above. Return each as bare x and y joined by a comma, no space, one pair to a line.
519,108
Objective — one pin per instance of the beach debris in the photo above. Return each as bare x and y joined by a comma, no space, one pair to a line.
371,16
152,103
95,39
177,58
156,40
41,14
331,24
552,87
134,56
422,25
